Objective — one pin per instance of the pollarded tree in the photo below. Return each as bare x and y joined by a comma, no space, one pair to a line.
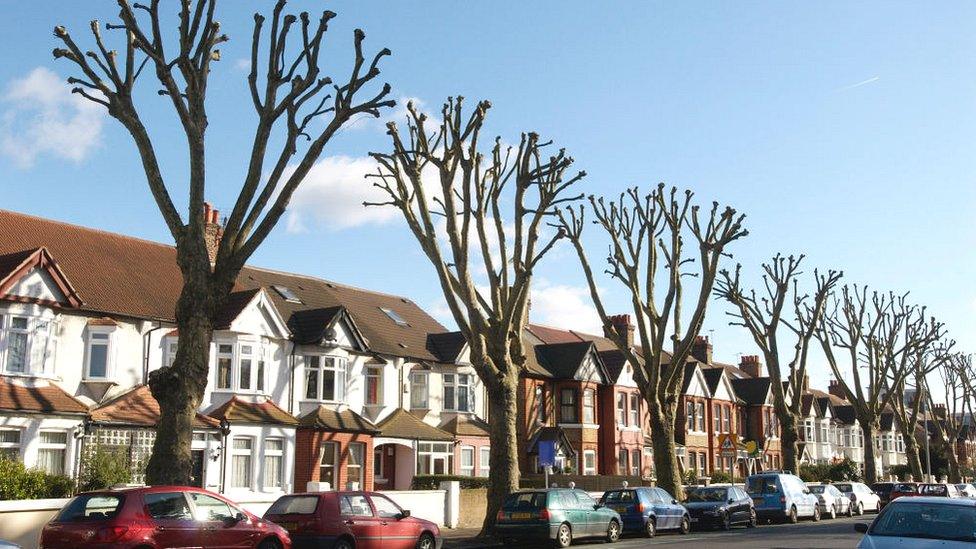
781,304
873,338
458,204
956,374
298,108
647,258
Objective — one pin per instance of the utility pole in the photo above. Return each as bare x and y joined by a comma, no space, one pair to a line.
928,456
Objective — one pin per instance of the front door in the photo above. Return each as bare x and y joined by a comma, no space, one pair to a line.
173,519
196,468
357,515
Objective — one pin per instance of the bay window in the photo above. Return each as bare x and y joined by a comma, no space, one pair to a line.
622,461
225,361
634,410
241,462
52,452
419,391
483,461
274,453
240,367
325,378
700,412
374,385
567,406
435,458
328,456
716,418
589,462
622,408
459,392
27,344
355,464
589,406
635,464
467,461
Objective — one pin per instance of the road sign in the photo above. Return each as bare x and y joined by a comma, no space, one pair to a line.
727,445
547,453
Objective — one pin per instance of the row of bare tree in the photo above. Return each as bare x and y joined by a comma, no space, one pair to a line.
484,216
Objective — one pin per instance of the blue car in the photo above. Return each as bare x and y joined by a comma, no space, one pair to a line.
646,510
782,497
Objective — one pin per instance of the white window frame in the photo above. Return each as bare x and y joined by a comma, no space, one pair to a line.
57,446
589,468
622,408
635,464
230,374
419,392
171,345
634,409
13,445
454,382
589,408
257,355
339,367
374,373
484,461
429,453
466,470
274,453
334,466
109,343
241,452
6,329
360,478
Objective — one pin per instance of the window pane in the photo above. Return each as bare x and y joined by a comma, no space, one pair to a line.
97,360
241,471
51,460
418,391
328,385
384,507
16,351
10,436
210,509
312,384
355,506
167,506
223,373
327,463
245,374
260,377
54,437
272,471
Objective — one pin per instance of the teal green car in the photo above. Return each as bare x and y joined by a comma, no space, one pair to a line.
559,515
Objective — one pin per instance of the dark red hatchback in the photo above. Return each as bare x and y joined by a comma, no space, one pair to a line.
347,520
158,517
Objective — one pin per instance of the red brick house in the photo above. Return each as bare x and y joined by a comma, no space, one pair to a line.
761,423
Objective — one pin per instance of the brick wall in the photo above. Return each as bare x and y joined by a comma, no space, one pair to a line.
308,445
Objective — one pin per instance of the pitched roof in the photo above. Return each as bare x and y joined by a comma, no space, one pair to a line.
233,307
689,374
446,346
403,424
614,361
126,276
753,391
845,414
236,410
37,397
550,433
563,360
466,425
138,407
14,266
345,421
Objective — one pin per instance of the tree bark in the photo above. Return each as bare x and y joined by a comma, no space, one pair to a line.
912,453
955,472
503,414
868,429
789,437
666,468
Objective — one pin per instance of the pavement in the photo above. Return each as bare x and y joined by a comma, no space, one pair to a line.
826,534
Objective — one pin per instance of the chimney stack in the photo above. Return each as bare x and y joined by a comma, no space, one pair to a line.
833,387
751,366
702,350
806,383
624,327
212,231
939,410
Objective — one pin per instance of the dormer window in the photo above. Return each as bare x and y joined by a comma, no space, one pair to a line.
287,294
99,353
17,339
394,316
27,344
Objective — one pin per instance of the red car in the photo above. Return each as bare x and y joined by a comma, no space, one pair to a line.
158,517
904,489
347,520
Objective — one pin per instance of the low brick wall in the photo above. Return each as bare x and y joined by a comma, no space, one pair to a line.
474,503
590,483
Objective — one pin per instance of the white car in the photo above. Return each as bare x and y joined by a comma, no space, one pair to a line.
862,498
966,490
922,523
832,502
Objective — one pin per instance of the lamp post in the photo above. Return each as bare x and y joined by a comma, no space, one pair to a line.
928,456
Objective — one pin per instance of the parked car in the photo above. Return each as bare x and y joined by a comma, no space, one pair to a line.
946,523
832,502
647,510
720,506
4,544
158,516
560,515
862,498
966,490
904,489
939,490
343,520
883,490
782,496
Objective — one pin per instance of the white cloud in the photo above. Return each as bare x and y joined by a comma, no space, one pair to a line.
332,196
43,117
564,306
243,64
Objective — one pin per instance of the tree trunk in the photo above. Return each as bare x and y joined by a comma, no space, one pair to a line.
955,472
665,451
789,437
179,388
505,474
913,457
868,429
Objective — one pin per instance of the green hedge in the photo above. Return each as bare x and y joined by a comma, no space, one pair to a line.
18,482
104,467
830,472
720,477
433,482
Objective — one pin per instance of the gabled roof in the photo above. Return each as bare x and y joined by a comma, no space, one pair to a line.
614,361
403,424
549,433
753,391
138,407
446,346
345,421
845,414
563,360
18,396
14,266
466,425
236,410
317,326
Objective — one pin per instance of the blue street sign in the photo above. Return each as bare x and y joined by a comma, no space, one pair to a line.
547,453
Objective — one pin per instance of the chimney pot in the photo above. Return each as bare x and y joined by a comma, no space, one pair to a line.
624,327
751,366
212,231
702,350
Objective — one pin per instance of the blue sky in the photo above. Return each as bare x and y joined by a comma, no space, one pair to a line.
843,130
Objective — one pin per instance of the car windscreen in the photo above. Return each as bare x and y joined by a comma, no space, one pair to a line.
907,519
619,496
525,501
708,494
933,490
91,507
817,489
294,505
761,485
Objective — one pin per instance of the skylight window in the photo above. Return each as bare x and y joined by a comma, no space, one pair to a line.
287,294
394,316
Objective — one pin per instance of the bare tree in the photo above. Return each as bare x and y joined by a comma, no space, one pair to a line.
957,376
647,257
879,334
294,107
471,194
763,314
908,410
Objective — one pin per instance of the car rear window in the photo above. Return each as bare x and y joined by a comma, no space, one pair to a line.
817,489
933,490
908,519
905,488
620,496
91,507
294,505
761,485
708,494
844,487
881,487
525,501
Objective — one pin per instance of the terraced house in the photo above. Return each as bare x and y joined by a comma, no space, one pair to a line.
310,380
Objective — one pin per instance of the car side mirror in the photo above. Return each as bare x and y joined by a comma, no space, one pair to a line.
674,502
236,519
597,506
403,514
731,500
805,491
861,528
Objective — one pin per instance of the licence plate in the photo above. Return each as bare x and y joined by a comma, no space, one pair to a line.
289,525
694,519
622,509
521,516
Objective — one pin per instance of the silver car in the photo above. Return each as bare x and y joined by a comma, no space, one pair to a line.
922,523
831,501
966,490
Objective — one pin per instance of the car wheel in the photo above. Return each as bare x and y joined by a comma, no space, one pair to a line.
564,537
426,541
791,518
860,509
726,522
650,527
816,513
343,544
613,532
753,519
877,508
850,510
833,511
685,526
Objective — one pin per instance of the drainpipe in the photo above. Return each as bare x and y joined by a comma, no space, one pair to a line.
146,343
291,382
